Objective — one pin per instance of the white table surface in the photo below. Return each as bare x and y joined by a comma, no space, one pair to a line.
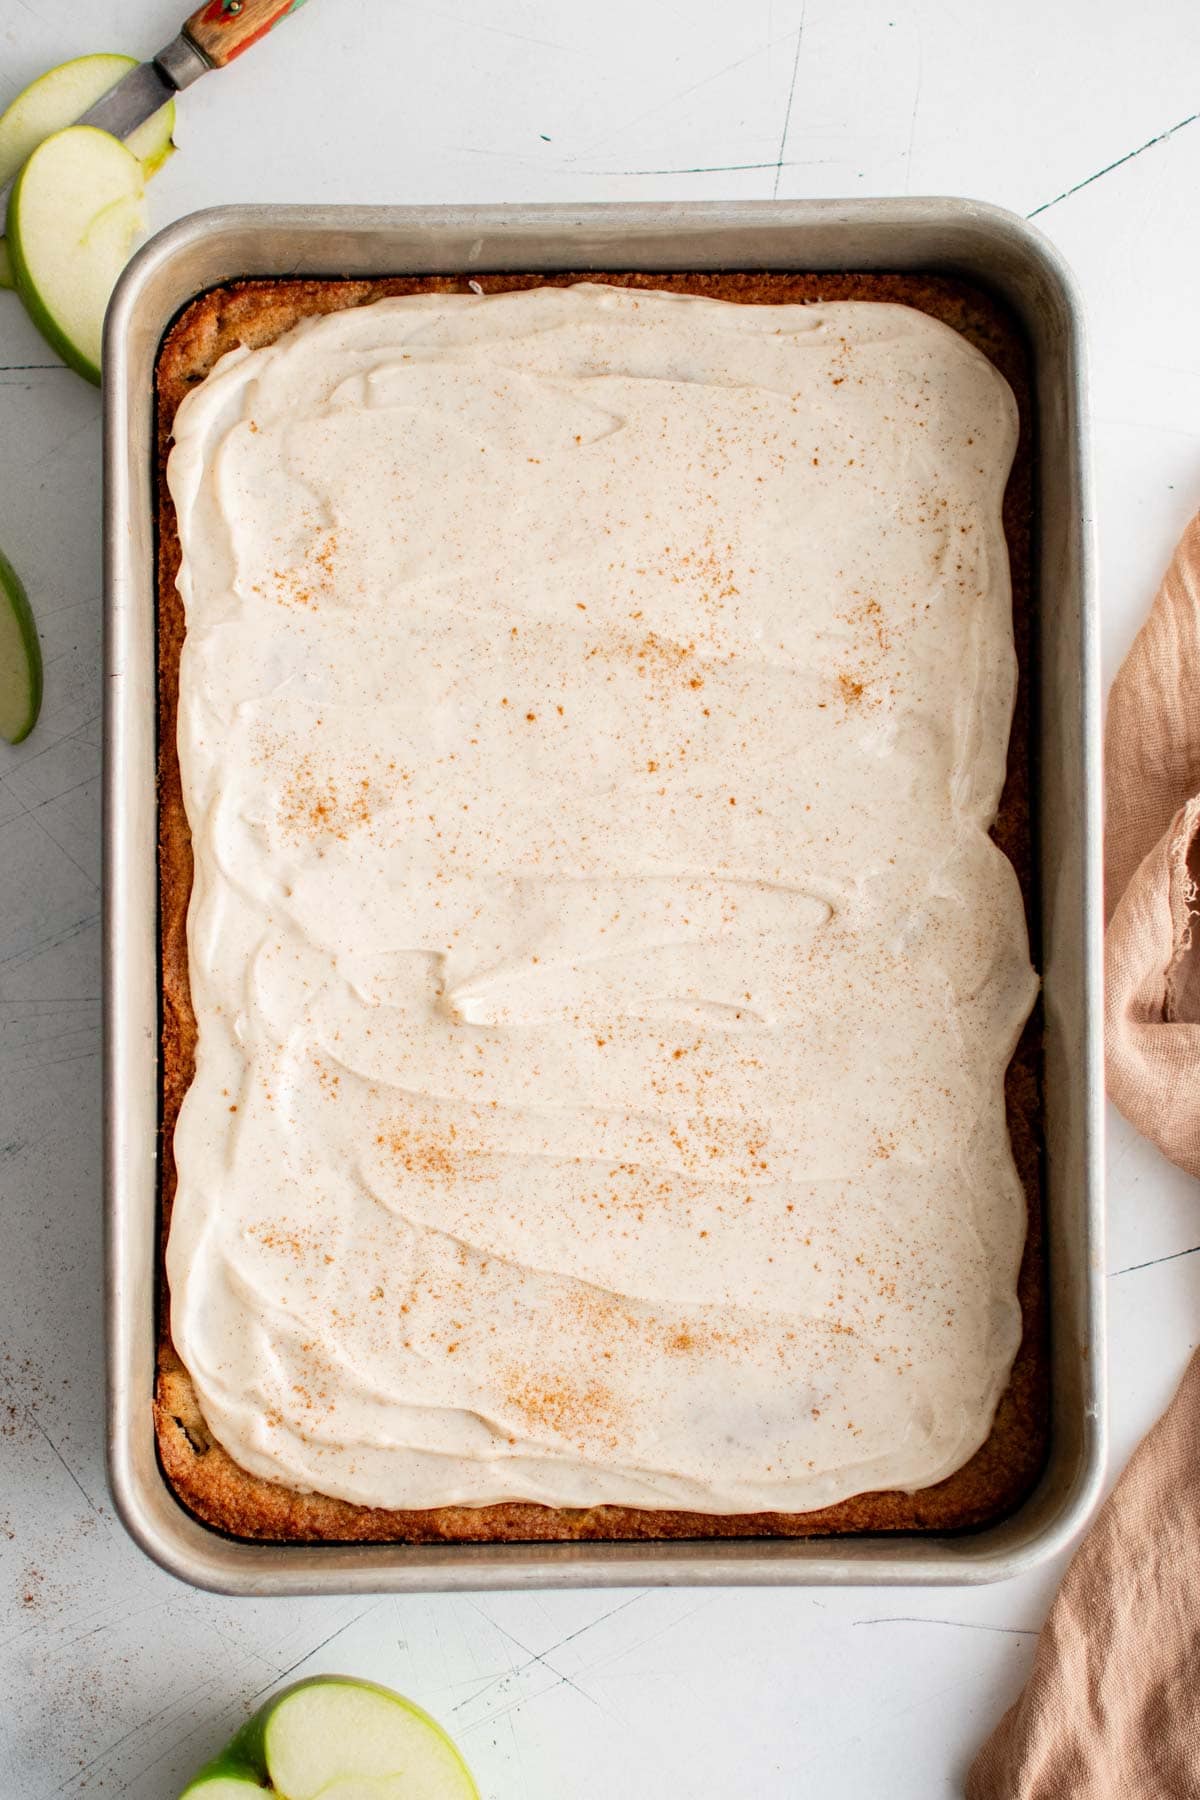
117,1679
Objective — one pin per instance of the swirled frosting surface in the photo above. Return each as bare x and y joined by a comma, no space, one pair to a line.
592,711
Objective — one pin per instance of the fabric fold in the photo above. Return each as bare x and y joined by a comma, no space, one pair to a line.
1152,828
1112,1708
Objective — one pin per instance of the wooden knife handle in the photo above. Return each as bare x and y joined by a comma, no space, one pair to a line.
222,29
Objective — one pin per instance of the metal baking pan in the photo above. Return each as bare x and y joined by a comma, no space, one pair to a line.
991,247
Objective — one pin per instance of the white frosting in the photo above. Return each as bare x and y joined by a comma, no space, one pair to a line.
592,711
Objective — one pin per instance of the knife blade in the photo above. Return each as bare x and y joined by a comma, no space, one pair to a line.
136,97
217,31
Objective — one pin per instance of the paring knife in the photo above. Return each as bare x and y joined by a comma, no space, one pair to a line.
216,33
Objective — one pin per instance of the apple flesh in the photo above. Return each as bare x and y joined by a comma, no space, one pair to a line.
334,1738
60,97
215,1786
20,658
72,219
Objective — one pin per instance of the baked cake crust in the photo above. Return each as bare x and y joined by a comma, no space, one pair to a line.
202,1475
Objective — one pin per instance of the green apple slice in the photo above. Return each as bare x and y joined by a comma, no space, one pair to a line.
335,1738
72,218
345,1740
20,658
60,97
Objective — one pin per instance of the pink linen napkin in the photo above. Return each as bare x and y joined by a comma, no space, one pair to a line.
1112,1708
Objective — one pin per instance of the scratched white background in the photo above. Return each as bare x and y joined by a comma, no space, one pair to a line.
116,1679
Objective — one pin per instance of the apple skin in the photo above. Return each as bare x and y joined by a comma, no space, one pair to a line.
241,1765
244,1758
216,1783
18,600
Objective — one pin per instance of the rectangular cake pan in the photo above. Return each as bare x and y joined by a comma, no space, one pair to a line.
993,248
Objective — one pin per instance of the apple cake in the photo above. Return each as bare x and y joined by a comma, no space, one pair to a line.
600,1087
